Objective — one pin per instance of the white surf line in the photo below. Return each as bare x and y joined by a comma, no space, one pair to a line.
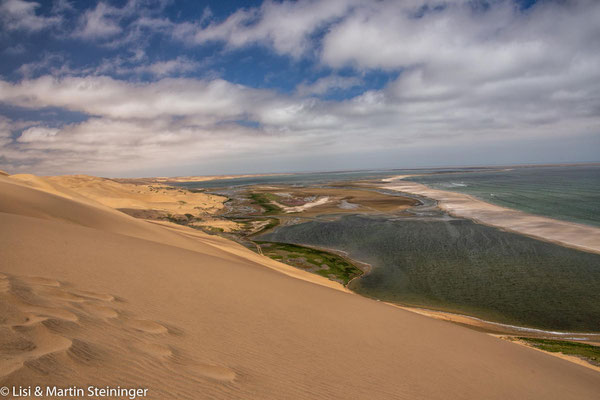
569,234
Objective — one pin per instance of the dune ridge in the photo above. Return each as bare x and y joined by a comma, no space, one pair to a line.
89,295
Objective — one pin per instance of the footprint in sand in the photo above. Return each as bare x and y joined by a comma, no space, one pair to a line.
156,350
42,313
58,294
92,295
216,372
37,280
99,310
147,326
4,283
43,320
23,345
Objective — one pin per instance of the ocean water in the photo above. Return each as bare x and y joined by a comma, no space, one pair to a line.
569,193
316,178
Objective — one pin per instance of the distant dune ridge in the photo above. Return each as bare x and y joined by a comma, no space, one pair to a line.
89,295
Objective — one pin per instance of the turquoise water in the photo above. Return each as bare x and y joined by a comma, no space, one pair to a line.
568,193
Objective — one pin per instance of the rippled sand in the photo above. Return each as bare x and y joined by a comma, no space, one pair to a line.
89,295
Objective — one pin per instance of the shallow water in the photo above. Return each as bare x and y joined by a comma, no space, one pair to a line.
457,265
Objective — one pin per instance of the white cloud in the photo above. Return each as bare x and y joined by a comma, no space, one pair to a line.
38,134
148,125
100,22
326,84
133,23
175,66
286,26
465,76
119,99
20,15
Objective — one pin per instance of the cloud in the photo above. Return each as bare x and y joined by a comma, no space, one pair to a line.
19,15
148,125
466,76
327,84
285,26
172,67
130,25
101,95
100,22
38,134
14,50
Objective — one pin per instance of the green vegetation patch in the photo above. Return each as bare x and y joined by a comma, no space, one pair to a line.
319,262
584,350
264,200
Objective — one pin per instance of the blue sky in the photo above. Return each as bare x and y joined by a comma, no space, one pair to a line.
159,87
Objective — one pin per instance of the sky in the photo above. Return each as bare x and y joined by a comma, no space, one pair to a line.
164,87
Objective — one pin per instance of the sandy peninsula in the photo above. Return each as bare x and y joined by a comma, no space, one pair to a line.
196,178
570,234
92,296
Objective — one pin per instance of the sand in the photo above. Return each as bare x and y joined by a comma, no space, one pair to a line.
146,201
337,200
570,234
180,179
91,296
318,202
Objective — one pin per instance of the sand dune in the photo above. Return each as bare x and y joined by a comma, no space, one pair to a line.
570,234
89,295
147,201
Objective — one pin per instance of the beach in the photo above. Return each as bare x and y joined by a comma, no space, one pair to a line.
93,296
574,235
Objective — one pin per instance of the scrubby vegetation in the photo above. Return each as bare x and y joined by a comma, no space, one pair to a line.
264,200
587,351
320,262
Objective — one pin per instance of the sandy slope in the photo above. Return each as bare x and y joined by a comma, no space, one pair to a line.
124,195
570,234
89,295
155,199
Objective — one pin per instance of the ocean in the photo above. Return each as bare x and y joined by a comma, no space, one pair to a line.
570,193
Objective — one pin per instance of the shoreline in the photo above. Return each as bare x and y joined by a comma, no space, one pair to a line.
471,321
493,327
564,233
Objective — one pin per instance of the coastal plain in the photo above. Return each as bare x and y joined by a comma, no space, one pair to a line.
90,295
